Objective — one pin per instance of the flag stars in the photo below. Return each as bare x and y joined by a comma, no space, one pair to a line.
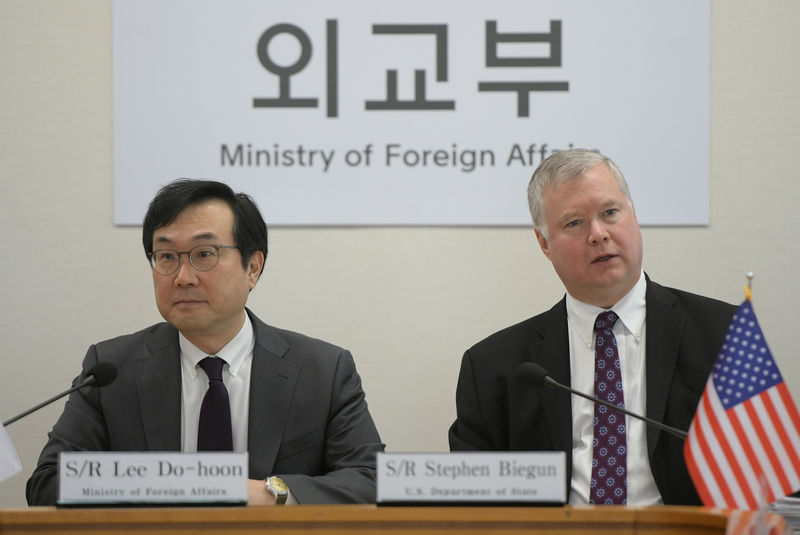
745,366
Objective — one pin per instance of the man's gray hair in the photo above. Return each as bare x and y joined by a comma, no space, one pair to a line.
563,166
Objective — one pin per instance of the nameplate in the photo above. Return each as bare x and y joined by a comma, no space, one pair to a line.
490,477
111,478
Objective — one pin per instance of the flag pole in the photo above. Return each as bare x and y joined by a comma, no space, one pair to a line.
748,289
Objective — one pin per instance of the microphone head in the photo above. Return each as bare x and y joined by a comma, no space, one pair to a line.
532,373
104,373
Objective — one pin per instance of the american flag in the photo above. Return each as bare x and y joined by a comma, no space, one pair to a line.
743,447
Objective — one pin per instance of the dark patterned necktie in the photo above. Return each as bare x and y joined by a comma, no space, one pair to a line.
214,428
610,451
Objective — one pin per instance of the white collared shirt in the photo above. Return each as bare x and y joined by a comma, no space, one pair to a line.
238,357
629,331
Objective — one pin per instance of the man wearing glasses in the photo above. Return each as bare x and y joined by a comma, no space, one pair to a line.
296,403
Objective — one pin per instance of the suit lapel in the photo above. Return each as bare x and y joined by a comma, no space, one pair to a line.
664,326
551,351
272,384
157,374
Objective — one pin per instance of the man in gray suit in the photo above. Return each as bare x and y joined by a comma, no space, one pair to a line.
296,403
666,342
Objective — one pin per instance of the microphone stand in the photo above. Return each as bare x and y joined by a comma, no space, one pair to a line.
88,381
549,381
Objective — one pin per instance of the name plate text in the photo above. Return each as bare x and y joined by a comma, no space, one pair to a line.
505,477
97,478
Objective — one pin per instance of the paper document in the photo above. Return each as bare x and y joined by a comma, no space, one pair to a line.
10,464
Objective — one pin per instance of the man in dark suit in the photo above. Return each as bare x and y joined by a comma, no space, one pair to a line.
296,403
667,342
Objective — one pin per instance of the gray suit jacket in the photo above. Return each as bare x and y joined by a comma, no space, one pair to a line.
498,411
308,420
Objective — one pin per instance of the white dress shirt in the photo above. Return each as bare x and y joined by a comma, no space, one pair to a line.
238,357
629,331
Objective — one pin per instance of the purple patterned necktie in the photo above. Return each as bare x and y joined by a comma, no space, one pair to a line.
214,428
610,455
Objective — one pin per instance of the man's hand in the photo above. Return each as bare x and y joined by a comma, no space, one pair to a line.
257,493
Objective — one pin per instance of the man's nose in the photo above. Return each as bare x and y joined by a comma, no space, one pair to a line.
597,232
186,274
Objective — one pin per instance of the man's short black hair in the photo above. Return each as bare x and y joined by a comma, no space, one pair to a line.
249,228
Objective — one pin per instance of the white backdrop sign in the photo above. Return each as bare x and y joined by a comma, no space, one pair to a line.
369,112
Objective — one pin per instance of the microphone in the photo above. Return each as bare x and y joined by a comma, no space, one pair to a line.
102,374
539,378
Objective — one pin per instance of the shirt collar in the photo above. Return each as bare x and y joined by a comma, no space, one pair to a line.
631,310
233,353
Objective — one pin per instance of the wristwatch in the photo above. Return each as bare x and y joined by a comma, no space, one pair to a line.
277,488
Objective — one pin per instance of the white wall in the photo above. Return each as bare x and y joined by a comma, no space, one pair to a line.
406,301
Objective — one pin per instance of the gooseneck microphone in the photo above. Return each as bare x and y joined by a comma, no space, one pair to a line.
102,374
539,378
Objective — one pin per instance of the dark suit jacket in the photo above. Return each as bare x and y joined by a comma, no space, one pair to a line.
308,418
498,412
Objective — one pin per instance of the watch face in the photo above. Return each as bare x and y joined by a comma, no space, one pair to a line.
278,484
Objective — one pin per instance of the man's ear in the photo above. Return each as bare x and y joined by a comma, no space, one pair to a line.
542,243
254,267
